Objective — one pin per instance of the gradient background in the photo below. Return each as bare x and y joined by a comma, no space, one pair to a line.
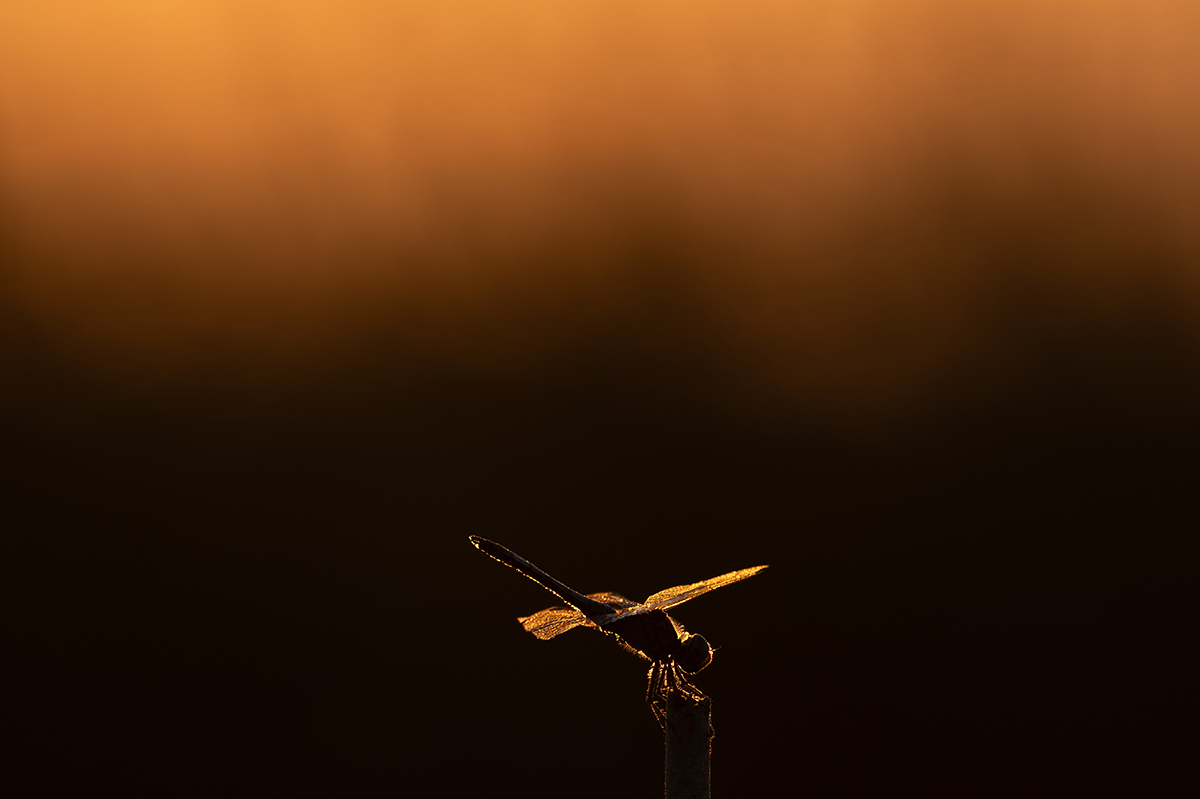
901,298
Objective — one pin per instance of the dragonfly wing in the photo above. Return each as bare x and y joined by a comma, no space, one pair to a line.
619,606
682,593
615,601
546,624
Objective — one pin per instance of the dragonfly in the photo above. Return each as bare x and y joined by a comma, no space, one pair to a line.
644,628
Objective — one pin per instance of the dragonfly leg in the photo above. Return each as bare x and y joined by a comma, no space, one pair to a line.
662,680
680,684
656,692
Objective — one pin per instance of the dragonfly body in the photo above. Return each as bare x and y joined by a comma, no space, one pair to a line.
660,638
644,629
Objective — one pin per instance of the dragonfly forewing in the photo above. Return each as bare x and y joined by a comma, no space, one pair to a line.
613,600
671,597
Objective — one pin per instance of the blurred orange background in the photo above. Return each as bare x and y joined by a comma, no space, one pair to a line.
831,205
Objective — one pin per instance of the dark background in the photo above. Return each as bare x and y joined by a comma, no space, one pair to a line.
900,302
985,602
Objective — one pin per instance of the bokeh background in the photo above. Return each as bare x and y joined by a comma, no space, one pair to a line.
901,298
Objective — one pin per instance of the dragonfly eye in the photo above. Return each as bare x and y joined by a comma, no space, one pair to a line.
694,654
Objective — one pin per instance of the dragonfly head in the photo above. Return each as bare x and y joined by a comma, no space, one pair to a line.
694,653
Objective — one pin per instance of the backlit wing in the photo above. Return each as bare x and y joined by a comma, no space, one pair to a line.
682,593
546,624
613,600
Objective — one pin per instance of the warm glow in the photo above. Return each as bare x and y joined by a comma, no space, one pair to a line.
837,199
